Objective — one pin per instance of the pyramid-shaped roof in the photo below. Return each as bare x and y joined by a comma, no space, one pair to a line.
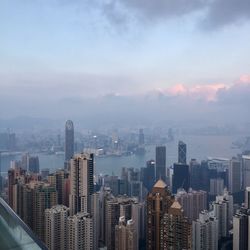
160,184
176,205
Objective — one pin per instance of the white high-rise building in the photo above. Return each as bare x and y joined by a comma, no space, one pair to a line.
223,211
205,232
234,176
56,227
80,232
81,183
246,171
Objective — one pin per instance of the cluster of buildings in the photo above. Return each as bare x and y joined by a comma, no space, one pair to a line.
186,206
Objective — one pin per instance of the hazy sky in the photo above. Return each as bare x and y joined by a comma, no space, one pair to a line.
80,53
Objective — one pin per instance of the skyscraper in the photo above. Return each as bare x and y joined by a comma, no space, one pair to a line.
69,140
126,235
160,162
223,211
159,200
241,230
247,198
59,180
33,164
80,232
44,196
246,171
141,137
182,152
234,176
180,177
81,183
205,232
56,227
116,207
175,229
148,175
192,202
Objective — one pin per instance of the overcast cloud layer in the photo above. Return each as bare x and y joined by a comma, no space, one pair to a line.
125,60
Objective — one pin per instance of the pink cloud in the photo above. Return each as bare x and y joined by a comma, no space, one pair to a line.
206,92
245,79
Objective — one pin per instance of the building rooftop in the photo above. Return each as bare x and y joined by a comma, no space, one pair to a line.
160,184
176,205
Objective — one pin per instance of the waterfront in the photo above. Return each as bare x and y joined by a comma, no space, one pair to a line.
199,147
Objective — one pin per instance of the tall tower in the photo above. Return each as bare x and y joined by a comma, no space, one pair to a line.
175,229
241,230
56,227
247,198
160,162
159,200
205,232
126,235
246,171
69,140
182,152
234,176
180,177
80,232
81,183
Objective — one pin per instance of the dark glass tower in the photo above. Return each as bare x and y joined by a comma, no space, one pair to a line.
181,177
160,162
182,152
69,140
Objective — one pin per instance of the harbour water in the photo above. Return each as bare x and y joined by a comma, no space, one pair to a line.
198,147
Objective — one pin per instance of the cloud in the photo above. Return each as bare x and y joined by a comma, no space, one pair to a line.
214,13
225,12
206,92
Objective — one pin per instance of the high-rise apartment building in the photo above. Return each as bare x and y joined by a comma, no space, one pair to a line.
180,178
60,180
95,212
159,200
175,229
160,163
182,152
126,235
116,207
192,202
81,183
241,230
44,196
69,140
223,211
80,232
205,232
56,227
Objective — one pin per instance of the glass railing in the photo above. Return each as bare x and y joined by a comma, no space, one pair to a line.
14,233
